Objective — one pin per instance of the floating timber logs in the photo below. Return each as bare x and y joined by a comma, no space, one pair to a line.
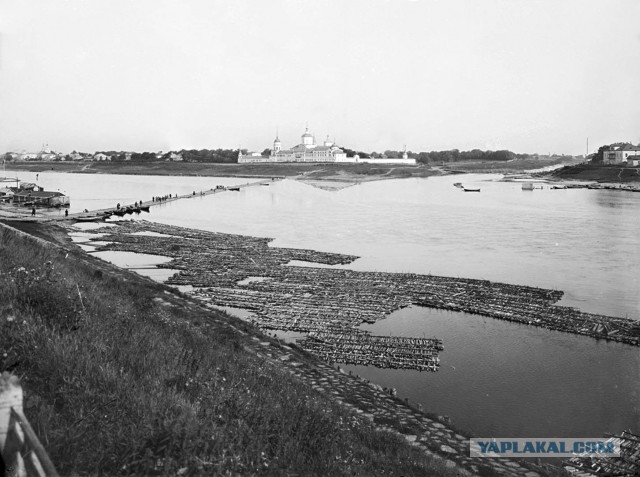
381,351
335,300
627,464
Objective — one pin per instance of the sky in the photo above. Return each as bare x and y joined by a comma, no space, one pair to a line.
525,75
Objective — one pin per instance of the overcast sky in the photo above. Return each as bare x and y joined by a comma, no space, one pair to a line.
529,76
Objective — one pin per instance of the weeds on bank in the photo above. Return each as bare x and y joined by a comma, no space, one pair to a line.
117,384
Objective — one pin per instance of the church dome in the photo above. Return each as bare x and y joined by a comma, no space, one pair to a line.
308,139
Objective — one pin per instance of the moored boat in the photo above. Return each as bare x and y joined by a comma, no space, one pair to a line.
97,218
527,186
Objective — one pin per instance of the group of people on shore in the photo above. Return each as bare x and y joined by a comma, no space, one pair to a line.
66,212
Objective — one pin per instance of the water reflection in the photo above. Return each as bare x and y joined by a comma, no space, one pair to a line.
615,199
497,377
534,379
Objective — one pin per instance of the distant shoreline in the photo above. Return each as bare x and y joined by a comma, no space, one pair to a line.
336,174
311,171
596,173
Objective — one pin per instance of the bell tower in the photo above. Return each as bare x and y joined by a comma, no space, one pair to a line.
307,139
277,145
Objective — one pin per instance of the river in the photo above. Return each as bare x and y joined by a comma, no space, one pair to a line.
496,378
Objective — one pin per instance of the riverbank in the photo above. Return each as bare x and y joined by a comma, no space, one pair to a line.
125,376
311,171
128,377
503,167
611,174
329,176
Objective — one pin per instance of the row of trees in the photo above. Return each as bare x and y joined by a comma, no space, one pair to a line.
231,155
189,155
211,155
452,155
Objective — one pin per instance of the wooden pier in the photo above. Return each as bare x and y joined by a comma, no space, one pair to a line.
98,215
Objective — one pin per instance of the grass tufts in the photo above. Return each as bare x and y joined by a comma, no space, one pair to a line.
117,383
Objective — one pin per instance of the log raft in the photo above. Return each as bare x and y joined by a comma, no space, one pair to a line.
338,300
380,351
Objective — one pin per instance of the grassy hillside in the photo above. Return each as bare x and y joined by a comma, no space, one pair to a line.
504,167
123,376
591,172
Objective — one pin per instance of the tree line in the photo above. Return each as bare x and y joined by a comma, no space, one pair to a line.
231,155
188,155
453,155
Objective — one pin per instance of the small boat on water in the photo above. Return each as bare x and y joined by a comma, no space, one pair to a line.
236,189
145,208
466,189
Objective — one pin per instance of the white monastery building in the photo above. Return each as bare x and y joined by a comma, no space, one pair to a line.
309,151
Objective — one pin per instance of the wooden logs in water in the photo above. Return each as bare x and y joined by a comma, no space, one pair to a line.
322,299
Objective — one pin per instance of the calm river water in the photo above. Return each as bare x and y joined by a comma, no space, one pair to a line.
496,378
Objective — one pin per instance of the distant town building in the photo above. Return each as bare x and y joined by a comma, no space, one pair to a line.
101,157
617,154
309,151
28,156
44,198
45,154
6,193
306,151
633,161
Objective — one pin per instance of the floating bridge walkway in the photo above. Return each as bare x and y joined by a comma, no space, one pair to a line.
102,214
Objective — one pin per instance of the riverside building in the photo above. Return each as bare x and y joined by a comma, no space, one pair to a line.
309,151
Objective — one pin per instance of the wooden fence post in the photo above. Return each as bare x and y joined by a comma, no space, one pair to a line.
21,453
10,398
